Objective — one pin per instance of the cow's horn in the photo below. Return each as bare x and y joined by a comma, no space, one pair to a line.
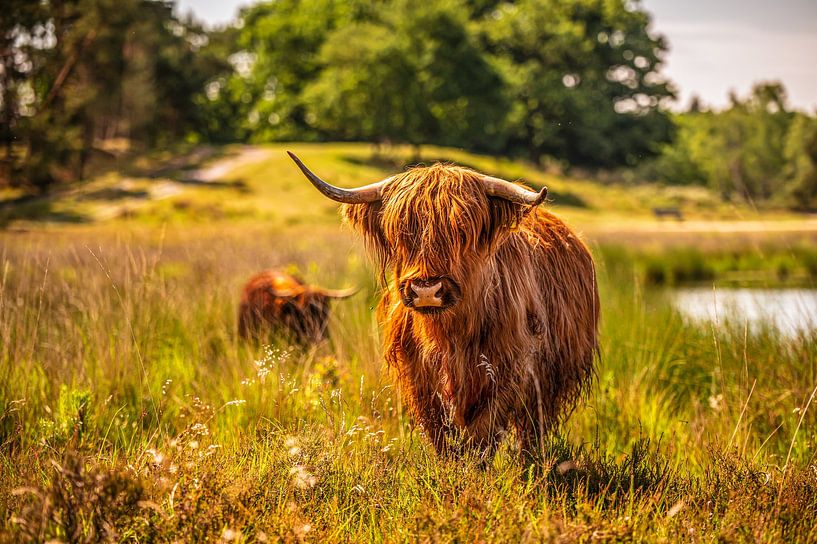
360,195
513,192
340,293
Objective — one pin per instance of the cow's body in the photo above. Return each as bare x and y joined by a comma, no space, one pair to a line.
276,302
491,312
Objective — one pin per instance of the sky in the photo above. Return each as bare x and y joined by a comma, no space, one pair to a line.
715,45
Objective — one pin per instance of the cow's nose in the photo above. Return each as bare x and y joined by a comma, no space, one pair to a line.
426,293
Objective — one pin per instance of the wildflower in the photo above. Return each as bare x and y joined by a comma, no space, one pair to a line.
157,457
389,446
199,429
228,535
302,478
566,466
716,402
677,507
301,530
291,443
261,370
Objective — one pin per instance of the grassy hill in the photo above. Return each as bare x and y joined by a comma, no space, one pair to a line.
261,183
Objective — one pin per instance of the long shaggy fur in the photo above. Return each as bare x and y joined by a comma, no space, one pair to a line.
519,348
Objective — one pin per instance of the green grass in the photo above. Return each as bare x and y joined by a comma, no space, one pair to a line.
271,189
790,264
130,411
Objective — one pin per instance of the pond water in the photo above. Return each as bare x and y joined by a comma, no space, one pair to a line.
790,311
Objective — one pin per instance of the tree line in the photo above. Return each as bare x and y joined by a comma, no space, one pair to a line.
571,82
755,150
576,81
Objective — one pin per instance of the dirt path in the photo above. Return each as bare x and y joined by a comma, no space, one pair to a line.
160,189
219,168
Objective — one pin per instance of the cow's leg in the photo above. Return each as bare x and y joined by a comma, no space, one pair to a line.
532,432
426,407
487,427
535,419
433,418
243,321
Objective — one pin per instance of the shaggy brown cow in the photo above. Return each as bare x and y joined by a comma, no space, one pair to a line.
273,300
491,312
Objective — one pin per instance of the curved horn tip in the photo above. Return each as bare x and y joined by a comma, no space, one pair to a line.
294,157
543,194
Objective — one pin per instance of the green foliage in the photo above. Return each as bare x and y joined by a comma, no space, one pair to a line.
583,78
417,75
92,72
579,81
767,266
275,56
756,150
68,419
801,161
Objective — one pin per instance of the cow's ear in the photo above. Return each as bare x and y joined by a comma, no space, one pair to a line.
366,219
504,218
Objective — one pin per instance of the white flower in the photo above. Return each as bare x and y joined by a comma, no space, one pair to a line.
228,535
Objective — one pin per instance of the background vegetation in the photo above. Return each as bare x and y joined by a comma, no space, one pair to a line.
562,83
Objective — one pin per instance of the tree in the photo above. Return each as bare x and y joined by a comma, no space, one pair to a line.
417,76
756,149
369,89
278,57
80,73
584,79
21,25
801,162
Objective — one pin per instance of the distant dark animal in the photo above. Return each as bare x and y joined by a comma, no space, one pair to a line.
668,212
490,307
274,301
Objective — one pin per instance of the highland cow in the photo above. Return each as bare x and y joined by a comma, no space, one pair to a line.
490,306
273,301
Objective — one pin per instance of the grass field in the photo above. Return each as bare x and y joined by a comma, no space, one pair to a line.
130,411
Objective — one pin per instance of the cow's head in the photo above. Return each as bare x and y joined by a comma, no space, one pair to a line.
433,227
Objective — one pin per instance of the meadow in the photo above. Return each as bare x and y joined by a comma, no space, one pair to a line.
130,410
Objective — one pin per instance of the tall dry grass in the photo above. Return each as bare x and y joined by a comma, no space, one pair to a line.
129,410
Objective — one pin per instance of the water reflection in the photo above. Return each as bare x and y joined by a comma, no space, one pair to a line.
790,311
